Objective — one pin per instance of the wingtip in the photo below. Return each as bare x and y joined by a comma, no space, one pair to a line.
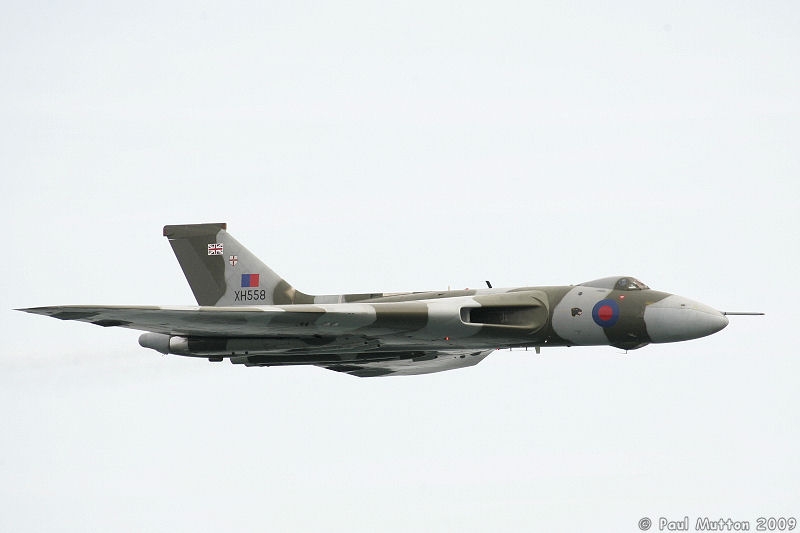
34,310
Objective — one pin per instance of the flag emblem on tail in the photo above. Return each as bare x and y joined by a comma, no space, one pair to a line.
215,249
249,280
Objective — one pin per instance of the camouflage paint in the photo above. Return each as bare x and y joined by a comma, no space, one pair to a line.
267,322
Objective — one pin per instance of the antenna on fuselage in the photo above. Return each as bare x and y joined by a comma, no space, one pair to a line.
488,283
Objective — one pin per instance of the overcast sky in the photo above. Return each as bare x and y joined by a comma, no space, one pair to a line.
360,147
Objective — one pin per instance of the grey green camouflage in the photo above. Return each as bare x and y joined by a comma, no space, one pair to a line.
250,315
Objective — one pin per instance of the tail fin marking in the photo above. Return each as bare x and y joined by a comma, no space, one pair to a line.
222,272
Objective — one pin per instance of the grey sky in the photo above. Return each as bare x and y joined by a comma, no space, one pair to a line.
358,147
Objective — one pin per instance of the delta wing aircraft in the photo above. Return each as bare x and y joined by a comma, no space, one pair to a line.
252,316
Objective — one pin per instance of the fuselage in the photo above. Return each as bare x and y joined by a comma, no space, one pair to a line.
617,311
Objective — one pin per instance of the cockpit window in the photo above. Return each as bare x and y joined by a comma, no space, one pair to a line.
630,284
626,283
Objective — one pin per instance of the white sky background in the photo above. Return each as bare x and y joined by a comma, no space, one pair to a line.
356,147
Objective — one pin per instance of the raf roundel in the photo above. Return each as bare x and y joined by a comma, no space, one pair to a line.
606,313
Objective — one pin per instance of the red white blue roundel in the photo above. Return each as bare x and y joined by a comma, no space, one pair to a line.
606,313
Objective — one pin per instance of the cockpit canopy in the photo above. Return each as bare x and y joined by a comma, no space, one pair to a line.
625,283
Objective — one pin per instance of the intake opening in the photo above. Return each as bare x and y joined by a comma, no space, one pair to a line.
520,316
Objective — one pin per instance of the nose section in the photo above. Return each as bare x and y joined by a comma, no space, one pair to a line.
676,318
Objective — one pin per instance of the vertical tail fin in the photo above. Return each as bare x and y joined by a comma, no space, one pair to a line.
222,272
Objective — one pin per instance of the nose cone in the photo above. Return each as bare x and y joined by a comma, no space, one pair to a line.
676,318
